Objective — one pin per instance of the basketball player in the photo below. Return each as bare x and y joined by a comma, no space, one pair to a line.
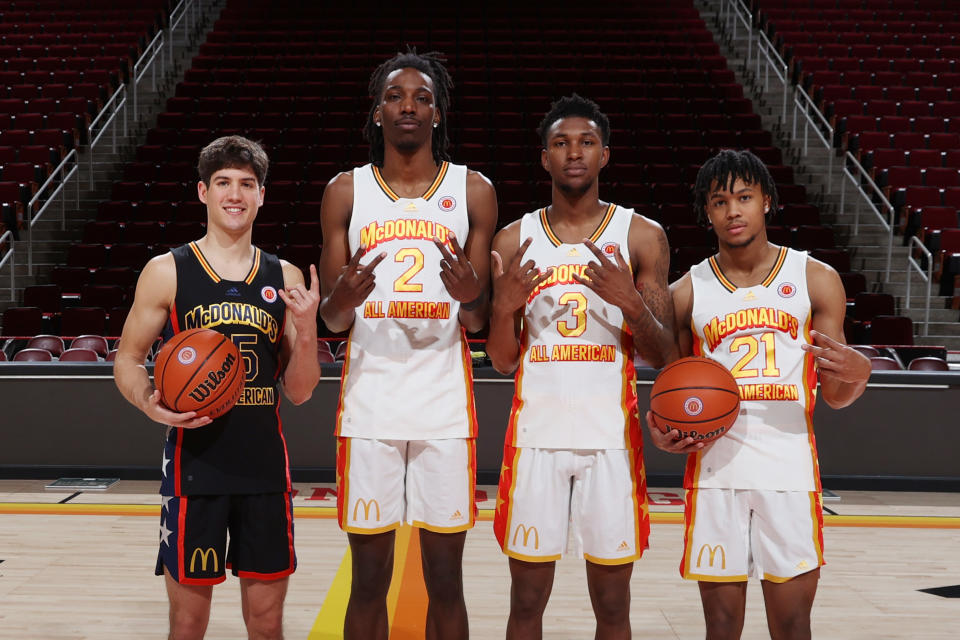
579,286
774,317
405,266
229,474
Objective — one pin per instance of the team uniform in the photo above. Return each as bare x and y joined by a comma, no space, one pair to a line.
233,473
406,424
573,448
753,504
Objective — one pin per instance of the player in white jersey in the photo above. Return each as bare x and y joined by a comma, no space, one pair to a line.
569,312
774,317
405,423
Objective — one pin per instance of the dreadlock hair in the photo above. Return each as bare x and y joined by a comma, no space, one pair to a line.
724,169
575,106
430,63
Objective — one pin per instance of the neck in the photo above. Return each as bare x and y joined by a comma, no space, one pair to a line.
226,245
401,165
746,258
575,205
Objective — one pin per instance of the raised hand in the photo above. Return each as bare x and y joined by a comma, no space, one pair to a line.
671,440
355,282
302,303
512,287
456,272
612,281
837,360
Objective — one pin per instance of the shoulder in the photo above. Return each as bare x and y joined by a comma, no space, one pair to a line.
158,279
822,279
507,240
478,181
682,292
340,184
644,228
161,266
292,275
647,239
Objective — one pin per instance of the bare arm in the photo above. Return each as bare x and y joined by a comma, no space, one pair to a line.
644,297
298,352
513,283
843,371
343,282
466,273
156,290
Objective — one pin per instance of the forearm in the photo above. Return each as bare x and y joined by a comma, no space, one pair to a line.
336,317
133,381
839,394
503,347
653,340
473,315
303,369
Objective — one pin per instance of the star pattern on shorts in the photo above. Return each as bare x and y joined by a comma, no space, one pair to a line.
164,533
166,502
166,461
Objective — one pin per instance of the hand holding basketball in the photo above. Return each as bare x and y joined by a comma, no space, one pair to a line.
155,410
671,441
696,397
199,371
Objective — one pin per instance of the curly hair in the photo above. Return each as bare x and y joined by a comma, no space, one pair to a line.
431,64
725,169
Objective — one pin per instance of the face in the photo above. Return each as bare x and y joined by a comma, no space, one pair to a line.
574,154
232,199
737,216
407,110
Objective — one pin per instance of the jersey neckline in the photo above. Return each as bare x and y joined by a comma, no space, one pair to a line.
728,284
432,189
604,223
202,259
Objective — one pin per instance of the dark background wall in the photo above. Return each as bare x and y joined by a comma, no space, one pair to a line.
65,419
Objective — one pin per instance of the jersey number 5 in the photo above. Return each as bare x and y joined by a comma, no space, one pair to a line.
246,343
752,345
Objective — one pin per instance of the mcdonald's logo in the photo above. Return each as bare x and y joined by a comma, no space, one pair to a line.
526,535
366,508
204,554
713,552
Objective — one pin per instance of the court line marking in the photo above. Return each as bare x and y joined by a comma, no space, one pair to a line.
662,517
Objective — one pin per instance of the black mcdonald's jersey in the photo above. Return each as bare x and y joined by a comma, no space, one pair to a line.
242,451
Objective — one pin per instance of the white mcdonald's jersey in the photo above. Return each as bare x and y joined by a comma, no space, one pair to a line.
756,332
407,374
575,387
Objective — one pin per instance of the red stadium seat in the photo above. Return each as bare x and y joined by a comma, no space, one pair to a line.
97,344
32,355
884,363
78,355
53,344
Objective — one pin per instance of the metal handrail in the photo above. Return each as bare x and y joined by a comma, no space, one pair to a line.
858,181
739,10
802,103
927,277
775,62
178,15
7,237
60,184
116,104
150,54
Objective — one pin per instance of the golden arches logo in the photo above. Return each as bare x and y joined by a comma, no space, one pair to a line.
526,535
204,554
366,508
712,551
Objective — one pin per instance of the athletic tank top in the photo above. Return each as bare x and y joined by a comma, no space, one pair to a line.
756,332
242,451
575,387
407,373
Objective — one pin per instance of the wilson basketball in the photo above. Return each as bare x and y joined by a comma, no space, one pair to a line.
697,396
199,370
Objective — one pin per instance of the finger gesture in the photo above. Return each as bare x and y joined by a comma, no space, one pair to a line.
513,286
356,281
158,412
612,281
302,303
671,441
837,360
456,272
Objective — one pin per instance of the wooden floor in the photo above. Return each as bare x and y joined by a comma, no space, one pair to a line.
84,569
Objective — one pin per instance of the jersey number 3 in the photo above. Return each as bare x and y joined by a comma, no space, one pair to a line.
579,324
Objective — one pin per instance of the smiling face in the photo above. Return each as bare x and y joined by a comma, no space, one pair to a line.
574,154
737,215
407,110
233,198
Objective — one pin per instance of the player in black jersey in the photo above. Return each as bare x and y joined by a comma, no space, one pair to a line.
231,472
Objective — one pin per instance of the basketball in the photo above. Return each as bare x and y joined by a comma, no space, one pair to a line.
697,396
199,370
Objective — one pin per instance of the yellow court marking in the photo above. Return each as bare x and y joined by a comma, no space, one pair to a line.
878,522
329,622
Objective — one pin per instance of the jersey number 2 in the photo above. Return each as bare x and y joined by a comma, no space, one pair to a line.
403,282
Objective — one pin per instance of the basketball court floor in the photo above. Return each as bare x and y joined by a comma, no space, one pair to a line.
79,564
